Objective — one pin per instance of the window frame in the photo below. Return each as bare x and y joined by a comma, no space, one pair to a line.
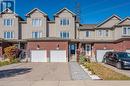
8,22
64,21
37,34
8,35
64,35
88,33
127,31
102,33
36,22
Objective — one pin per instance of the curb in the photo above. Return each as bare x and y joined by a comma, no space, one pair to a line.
92,76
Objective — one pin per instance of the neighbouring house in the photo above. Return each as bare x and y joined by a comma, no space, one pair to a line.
61,39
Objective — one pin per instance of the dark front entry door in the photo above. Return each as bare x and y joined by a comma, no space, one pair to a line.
72,48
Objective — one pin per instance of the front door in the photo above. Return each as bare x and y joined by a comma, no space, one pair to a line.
72,51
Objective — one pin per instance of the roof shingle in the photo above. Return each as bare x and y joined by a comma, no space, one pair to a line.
87,26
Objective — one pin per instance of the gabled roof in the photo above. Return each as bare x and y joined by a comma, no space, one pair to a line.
87,26
121,23
113,16
63,10
36,9
8,11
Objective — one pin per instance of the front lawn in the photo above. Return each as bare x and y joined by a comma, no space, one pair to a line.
104,72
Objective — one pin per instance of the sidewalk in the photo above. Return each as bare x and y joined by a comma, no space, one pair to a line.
65,83
77,73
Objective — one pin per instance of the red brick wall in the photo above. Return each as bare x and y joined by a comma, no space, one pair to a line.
121,46
101,46
50,45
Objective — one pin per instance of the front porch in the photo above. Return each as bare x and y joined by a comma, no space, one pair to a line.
78,48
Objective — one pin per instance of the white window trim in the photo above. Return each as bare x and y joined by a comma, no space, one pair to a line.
103,33
127,31
62,35
89,34
67,21
5,25
6,35
34,23
39,33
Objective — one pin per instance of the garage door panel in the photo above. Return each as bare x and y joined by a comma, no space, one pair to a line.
100,54
128,51
58,56
38,56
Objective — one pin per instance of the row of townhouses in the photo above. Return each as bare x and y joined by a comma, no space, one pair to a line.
62,39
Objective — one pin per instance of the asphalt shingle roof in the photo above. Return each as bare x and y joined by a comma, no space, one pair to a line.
87,26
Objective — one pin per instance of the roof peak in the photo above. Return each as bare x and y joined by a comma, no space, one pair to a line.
114,15
65,8
34,10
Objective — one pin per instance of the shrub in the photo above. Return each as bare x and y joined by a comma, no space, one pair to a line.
104,72
10,52
83,59
4,63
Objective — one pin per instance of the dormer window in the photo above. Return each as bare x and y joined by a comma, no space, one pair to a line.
8,22
64,21
36,22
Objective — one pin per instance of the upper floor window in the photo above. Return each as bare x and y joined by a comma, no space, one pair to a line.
36,34
103,33
36,22
8,35
64,35
64,21
126,31
87,33
106,33
8,22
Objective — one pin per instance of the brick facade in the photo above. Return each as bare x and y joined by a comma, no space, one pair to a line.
48,45
119,46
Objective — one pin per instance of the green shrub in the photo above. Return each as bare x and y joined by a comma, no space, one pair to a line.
4,63
15,61
104,72
83,59
8,62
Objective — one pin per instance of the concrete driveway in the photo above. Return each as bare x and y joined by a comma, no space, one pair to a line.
35,72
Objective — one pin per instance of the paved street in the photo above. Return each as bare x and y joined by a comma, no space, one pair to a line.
77,72
65,83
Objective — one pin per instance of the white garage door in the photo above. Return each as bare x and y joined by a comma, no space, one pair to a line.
58,56
38,56
100,54
128,51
